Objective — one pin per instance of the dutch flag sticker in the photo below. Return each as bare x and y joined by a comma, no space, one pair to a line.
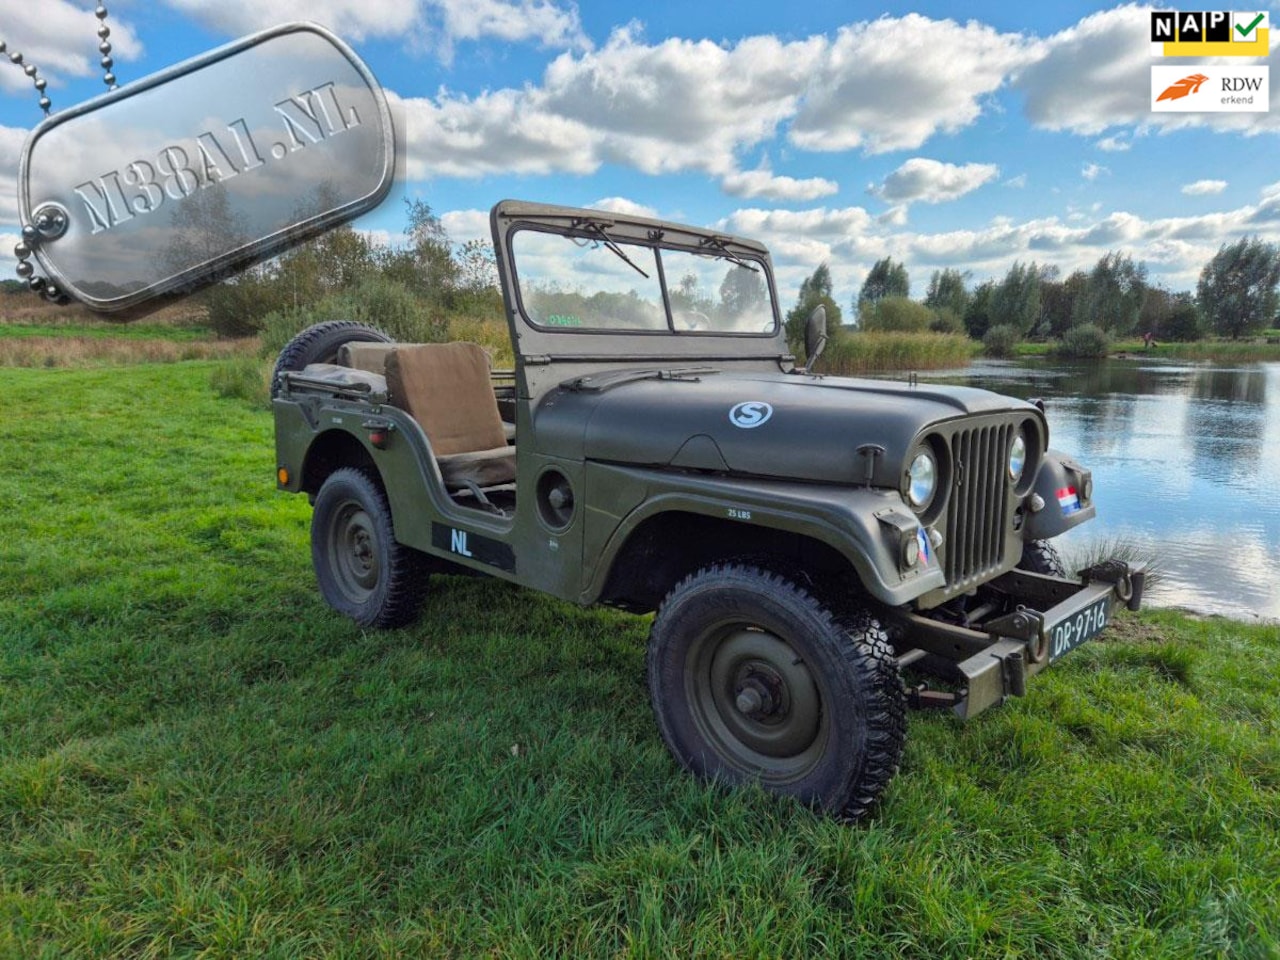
1068,500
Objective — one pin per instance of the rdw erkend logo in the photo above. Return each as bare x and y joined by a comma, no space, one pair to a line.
1211,89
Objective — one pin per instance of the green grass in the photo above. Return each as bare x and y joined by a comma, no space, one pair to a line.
198,759
107,331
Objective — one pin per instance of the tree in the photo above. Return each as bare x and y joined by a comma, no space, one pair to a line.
886,279
977,315
815,290
1016,301
742,292
1184,322
1237,289
1058,302
1112,298
947,291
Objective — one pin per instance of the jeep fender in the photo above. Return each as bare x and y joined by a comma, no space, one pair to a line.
1065,492
863,525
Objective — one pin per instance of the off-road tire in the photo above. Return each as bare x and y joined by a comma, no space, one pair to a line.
362,570
834,712
319,343
1041,556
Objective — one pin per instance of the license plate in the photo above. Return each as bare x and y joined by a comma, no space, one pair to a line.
1072,631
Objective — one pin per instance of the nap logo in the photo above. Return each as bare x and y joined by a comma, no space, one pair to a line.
1210,33
1209,89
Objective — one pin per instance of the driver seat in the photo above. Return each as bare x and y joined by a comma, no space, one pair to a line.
446,388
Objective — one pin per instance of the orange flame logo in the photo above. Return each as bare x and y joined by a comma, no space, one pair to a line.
1183,88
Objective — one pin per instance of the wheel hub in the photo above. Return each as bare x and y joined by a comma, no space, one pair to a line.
758,698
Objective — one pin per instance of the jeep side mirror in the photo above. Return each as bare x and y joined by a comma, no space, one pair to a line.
815,336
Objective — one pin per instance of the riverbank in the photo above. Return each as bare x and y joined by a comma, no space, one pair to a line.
1229,351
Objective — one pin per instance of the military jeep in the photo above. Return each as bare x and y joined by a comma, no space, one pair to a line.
806,541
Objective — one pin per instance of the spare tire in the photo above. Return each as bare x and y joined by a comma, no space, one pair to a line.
319,343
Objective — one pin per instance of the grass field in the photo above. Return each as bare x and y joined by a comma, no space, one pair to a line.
197,759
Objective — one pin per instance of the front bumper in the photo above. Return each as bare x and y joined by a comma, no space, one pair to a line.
993,660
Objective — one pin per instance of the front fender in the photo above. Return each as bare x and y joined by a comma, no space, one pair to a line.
1065,492
861,524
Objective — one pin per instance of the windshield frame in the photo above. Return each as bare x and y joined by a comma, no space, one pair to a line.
597,231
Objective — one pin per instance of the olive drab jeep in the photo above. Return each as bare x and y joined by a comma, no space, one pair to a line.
805,541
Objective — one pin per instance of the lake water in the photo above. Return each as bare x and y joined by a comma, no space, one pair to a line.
1186,464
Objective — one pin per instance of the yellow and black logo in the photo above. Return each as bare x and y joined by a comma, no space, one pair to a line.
1210,33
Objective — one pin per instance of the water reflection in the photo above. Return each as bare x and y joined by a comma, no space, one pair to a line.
1185,457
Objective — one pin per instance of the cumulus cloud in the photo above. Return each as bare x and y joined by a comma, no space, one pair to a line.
446,21
58,36
678,105
931,181
1204,187
11,141
1092,171
893,83
764,183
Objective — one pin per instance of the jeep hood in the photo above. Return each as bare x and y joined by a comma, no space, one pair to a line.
771,425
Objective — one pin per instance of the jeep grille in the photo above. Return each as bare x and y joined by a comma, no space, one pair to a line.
974,547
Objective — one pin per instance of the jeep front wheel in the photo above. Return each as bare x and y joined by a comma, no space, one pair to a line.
754,680
362,571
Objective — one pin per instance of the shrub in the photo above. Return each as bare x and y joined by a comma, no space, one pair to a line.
1085,342
1184,324
866,352
1000,341
945,320
376,300
895,315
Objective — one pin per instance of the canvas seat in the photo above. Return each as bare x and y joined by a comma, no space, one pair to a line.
446,388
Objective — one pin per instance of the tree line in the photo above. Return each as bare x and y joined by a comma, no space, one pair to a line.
1236,297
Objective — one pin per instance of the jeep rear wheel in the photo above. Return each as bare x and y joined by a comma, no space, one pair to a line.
362,571
754,680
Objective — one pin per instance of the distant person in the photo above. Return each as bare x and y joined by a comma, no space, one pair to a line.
1149,340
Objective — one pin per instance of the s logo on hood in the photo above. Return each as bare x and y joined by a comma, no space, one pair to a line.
750,413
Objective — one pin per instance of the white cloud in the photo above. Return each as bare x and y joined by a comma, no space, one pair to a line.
464,225
624,206
1114,144
893,83
679,105
931,181
764,183
1204,187
683,104
445,21
1091,171
58,37
11,141
1018,182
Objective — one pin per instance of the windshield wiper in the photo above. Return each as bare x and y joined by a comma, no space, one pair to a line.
598,229
721,248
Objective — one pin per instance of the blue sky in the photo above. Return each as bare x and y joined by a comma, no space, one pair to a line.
944,136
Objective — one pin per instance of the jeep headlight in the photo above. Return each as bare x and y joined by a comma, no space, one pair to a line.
922,480
1017,456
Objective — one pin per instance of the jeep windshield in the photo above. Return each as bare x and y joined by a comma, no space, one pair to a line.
589,279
